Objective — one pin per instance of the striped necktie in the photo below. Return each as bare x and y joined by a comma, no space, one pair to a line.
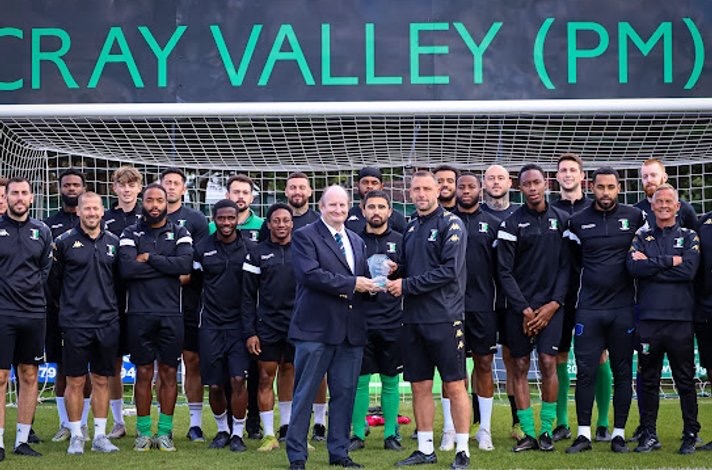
339,241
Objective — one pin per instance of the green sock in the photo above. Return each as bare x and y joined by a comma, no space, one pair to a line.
547,415
390,402
562,399
165,424
526,420
358,417
604,382
143,425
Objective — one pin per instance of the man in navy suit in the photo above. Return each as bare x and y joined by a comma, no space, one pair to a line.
328,326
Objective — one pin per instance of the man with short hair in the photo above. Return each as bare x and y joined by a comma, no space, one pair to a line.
82,278
664,259
268,301
433,290
652,175
371,179
447,176
384,320
153,255
174,181
298,192
224,357
3,200
533,262
604,305
703,296
25,261
127,183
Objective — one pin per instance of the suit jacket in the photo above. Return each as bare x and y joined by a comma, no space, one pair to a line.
326,308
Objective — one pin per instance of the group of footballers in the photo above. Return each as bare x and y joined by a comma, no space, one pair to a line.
153,279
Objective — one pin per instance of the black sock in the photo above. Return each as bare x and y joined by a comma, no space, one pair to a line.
513,406
475,409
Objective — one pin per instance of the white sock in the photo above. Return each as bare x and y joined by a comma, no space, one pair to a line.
23,431
62,412
99,427
196,414
448,425
2,438
618,432
585,431
485,412
462,443
221,421
85,411
285,412
425,442
117,410
319,413
238,426
76,428
267,418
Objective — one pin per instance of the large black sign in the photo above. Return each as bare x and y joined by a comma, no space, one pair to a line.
73,51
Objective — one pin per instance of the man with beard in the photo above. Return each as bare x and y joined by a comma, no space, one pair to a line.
3,200
652,175
71,184
25,261
480,316
570,176
222,337
384,320
153,255
604,310
433,289
496,186
371,179
268,301
533,263
82,278
447,176
127,185
298,192
173,181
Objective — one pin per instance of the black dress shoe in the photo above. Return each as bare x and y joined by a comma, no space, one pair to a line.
282,433
648,441
391,443
237,444
297,465
619,446
546,444
581,444
417,458
561,432
318,433
33,438
602,434
356,443
688,444
221,440
707,446
2,454
461,462
346,462
25,449
525,443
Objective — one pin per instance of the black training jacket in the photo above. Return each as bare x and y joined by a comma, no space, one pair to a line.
61,222
383,311
116,220
703,284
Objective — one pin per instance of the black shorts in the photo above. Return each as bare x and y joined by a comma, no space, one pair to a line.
567,328
546,342
501,326
382,353
53,340
280,351
155,337
223,354
21,341
190,338
426,347
703,333
481,333
90,349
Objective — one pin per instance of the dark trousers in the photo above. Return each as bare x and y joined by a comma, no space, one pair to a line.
341,364
655,339
595,331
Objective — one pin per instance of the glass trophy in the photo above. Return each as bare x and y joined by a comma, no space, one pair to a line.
379,268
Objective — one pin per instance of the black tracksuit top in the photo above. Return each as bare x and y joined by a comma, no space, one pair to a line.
383,311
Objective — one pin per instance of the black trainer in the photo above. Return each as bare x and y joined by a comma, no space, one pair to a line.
392,443
318,433
2,454
195,434
237,444
253,429
526,443
25,450
637,434
546,444
282,433
602,434
417,458
688,444
297,465
581,444
707,446
462,461
648,441
619,446
220,441
356,443
346,462
33,438
561,432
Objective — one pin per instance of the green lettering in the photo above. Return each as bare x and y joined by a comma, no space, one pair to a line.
416,50
116,35
371,78
162,53
17,84
478,50
286,32
326,77
38,56
574,53
626,31
236,78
